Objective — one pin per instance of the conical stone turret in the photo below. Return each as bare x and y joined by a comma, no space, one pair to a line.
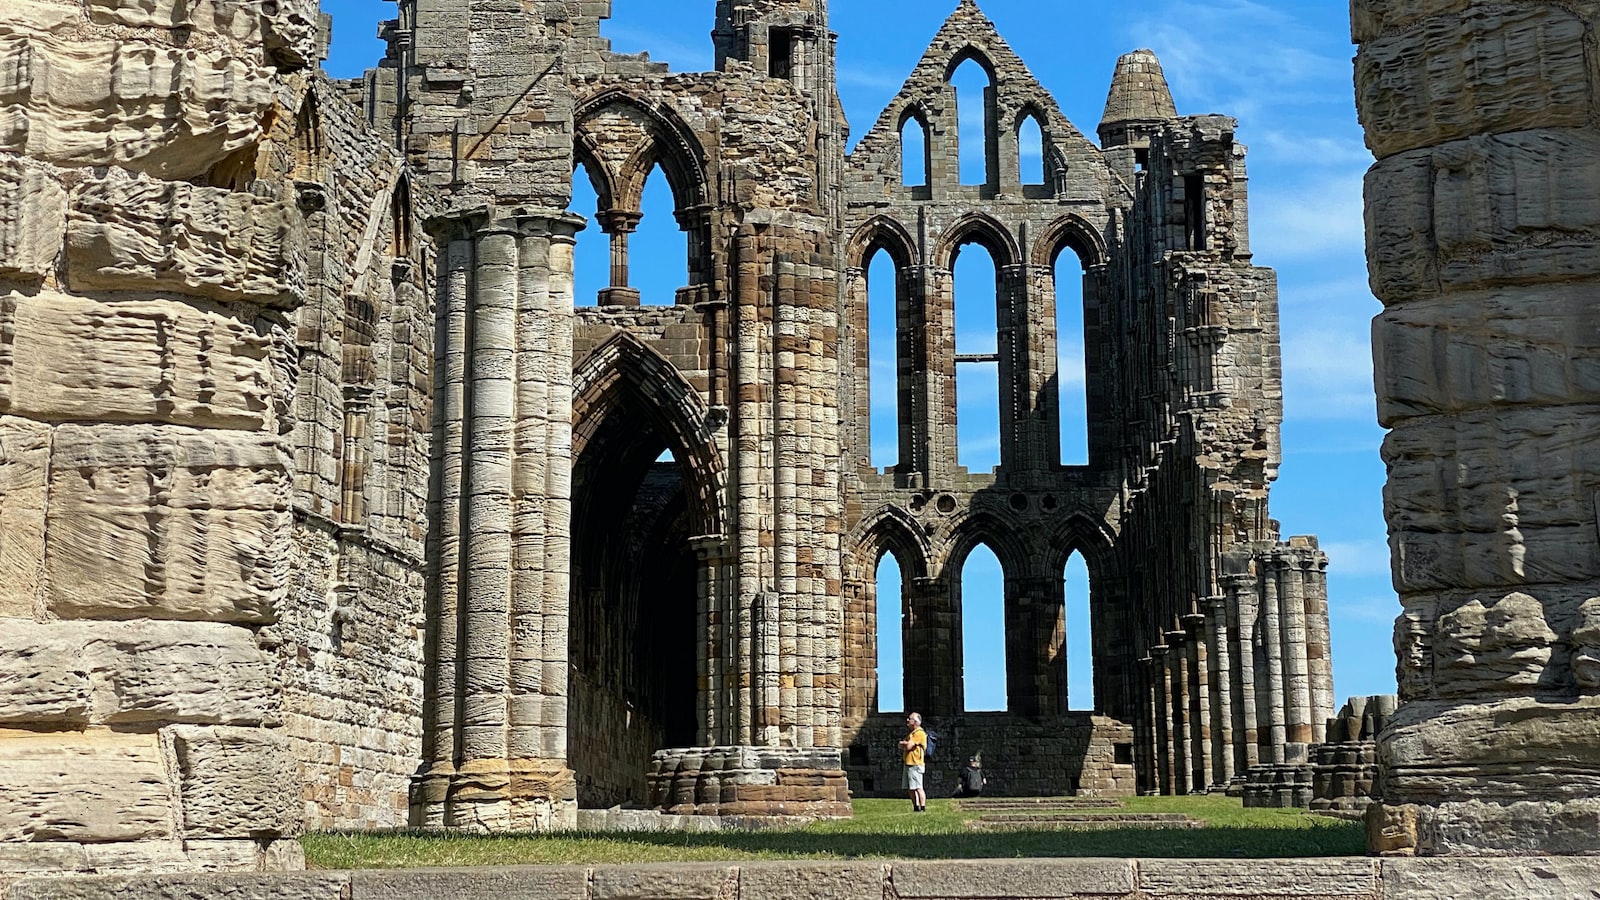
1139,100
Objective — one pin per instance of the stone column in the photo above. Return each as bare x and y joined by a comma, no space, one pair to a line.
1482,247
1224,685
1271,697
1239,591
1296,667
1178,678
1162,717
502,595
619,224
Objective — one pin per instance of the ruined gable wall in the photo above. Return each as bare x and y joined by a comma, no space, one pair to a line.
152,257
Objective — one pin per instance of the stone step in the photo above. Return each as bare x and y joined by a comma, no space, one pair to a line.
1084,822
1037,803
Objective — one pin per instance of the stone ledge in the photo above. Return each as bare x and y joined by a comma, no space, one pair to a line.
1529,878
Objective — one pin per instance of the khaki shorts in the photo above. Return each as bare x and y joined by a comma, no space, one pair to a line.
913,779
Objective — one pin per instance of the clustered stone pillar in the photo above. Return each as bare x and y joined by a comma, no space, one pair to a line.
1481,245
497,725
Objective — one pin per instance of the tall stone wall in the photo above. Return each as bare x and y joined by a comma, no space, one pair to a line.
1184,401
152,259
1481,247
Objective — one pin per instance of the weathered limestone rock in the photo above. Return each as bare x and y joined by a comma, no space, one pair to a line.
1505,647
32,217
24,461
130,232
236,782
149,361
45,674
93,787
177,672
1586,646
166,523
172,112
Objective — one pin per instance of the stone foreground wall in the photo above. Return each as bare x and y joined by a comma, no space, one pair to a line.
1052,879
1482,246
152,255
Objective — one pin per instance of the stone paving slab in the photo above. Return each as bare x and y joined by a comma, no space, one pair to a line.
1576,878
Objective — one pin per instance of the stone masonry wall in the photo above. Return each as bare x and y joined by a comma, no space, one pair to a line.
1078,754
152,257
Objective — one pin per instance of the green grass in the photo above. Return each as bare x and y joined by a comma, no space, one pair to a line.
881,829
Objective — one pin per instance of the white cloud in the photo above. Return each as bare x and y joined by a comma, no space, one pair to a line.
1308,219
1327,375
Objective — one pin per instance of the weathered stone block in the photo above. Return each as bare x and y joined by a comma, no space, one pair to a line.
1026,878
24,462
1322,878
45,676
174,672
90,787
166,523
1490,348
1436,751
1528,878
1504,69
236,782
508,883
687,882
151,361
33,215
1492,209
126,232
187,887
174,112
815,881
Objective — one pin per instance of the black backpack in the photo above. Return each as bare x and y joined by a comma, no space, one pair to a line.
933,742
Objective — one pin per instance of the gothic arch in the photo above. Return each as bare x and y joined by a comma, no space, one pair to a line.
972,53
1070,232
672,145
882,232
1079,534
889,530
586,156
978,228
625,365
984,527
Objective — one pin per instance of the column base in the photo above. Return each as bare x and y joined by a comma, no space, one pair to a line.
497,796
1512,777
750,781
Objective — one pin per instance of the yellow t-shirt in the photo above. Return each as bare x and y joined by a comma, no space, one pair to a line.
919,743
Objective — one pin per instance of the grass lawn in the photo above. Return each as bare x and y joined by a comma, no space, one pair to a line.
881,829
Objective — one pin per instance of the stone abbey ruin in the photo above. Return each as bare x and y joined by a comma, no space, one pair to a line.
326,503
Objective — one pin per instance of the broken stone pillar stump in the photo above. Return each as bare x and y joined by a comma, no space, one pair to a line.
750,781
1481,244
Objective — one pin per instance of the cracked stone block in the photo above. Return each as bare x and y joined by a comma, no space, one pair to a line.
91,788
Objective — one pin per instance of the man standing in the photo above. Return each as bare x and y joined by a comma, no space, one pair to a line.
913,747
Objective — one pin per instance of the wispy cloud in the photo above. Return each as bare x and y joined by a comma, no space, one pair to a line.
683,56
1358,557
1316,218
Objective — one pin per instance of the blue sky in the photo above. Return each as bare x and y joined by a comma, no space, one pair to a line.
1284,70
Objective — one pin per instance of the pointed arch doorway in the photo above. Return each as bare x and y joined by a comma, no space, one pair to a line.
645,492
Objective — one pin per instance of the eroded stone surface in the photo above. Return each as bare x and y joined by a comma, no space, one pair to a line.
90,788
236,782
152,361
166,523
24,461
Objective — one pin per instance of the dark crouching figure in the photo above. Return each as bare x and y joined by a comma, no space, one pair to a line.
972,780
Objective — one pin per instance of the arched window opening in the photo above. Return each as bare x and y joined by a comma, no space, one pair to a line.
1030,150
983,632
1080,637
1072,378
914,152
977,359
401,245
976,135
658,250
889,612
884,357
592,258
